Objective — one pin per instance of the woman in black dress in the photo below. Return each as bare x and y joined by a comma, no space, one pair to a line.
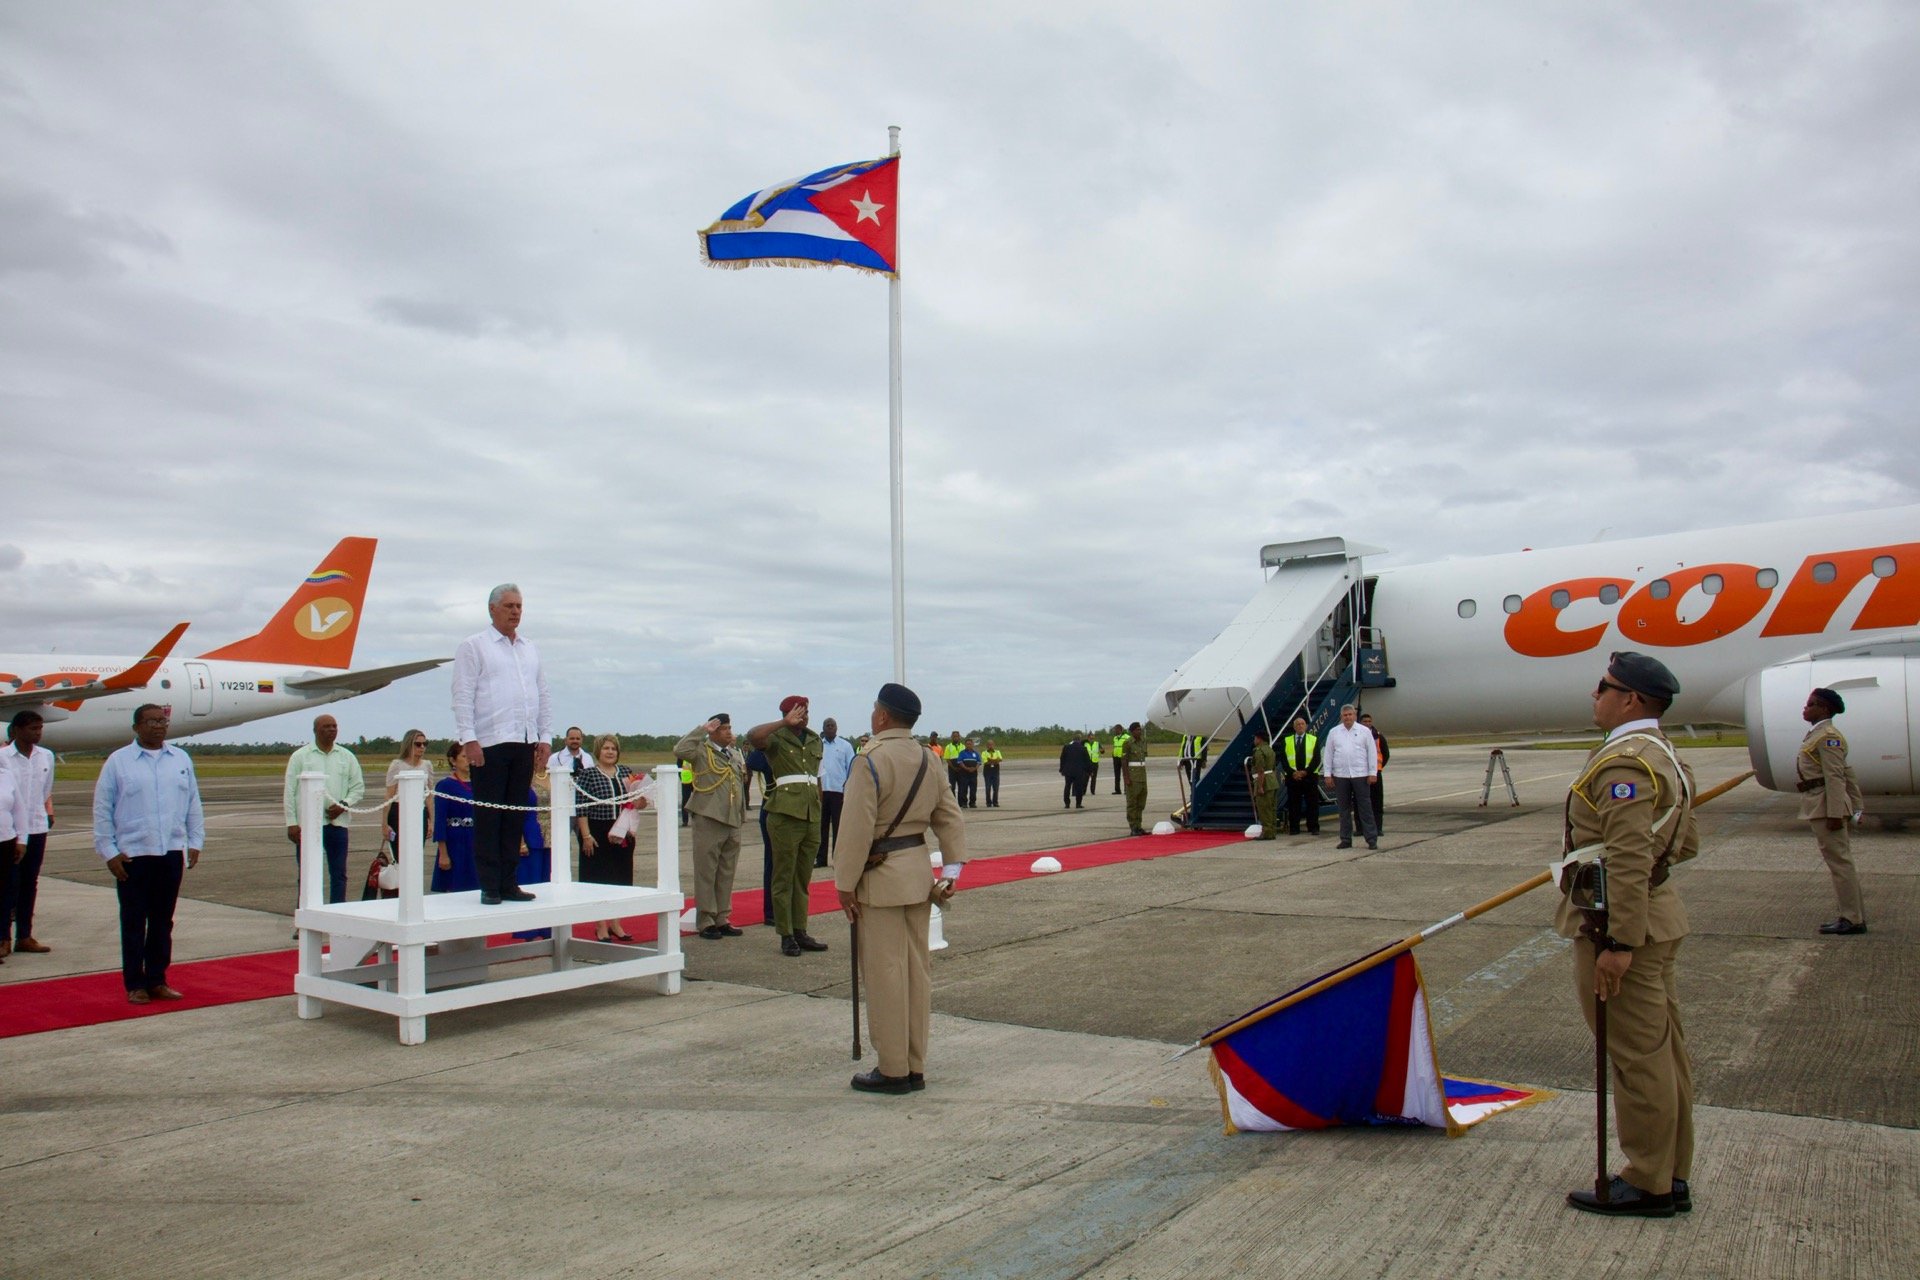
602,859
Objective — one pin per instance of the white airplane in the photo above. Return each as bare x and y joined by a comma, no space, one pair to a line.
301,658
1748,618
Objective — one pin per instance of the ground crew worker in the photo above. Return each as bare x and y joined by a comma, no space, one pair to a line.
887,887
1120,738
1301,752
792,814
1093,754
1136,778
1829,797
1263,784
686,789
1632,807
718,807
1377,789
950,752
990,770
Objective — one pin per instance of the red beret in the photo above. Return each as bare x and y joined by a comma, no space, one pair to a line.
791,701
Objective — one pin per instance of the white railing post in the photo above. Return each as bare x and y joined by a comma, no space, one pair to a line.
666,804
561,835
310,806
410,850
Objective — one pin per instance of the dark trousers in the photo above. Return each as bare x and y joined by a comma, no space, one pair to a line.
503,779
1119,774
1379,798
969,792
9,877
992,772
686,794
1073,790
1303,803
830,802
333,843
1350,798
147,898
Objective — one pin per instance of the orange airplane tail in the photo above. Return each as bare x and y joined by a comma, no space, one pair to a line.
317,625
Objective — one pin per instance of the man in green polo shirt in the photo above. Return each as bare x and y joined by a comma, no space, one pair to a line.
792,810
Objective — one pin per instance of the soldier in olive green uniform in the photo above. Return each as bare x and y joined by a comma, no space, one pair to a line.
887,887
718,804
1829,797
1632,807
1262,782
1136,753
793,818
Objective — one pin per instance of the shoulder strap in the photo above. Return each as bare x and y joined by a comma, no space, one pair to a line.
912,791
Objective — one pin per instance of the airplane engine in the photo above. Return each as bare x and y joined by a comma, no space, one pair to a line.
1883,714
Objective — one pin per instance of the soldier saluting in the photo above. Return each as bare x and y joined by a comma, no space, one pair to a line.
887,886
1829,797
1632,808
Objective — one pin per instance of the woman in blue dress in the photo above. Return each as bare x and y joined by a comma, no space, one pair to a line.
453,867
536,862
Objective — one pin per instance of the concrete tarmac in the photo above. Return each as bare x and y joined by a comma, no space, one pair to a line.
616,1132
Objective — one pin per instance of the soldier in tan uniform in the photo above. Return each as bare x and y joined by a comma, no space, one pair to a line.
887,886
1632,808
717,805
1829,797
1262,782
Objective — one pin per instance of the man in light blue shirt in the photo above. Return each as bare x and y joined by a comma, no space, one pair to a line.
148,827
836,761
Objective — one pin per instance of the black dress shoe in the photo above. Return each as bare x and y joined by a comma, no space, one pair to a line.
1344,844
489,899
728,931
1624,1200
789,945
873,1082
516,895
916,1081
1842,926
1373,844
712,933
808,942
1682,1196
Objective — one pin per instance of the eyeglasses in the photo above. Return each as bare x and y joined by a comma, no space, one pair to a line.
1606,684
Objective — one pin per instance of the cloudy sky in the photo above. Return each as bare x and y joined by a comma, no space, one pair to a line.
1448,279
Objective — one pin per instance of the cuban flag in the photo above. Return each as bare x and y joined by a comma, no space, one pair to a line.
1360,1052
840,217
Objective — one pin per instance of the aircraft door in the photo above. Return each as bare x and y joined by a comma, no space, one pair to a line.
199,688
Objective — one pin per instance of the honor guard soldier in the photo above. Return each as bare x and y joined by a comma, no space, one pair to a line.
1829,797
1262,783
1629,818
1136,754
718,807
792,814
886,884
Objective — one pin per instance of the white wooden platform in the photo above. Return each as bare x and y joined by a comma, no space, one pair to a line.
430,950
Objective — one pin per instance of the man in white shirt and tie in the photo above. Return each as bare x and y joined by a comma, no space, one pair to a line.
1350,763
503,716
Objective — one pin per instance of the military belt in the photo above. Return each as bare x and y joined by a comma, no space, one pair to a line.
786,778
881,848
1810,784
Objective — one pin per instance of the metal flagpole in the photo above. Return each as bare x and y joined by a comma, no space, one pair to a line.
893,437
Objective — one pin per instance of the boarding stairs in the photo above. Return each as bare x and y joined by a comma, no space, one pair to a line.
1303,646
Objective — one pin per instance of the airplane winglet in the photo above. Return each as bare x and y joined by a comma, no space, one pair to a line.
137,675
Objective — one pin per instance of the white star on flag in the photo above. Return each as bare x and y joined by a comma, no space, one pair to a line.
868,209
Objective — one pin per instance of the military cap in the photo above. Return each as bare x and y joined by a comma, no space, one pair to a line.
1646,676
791,701
1835,703
721,717
897,697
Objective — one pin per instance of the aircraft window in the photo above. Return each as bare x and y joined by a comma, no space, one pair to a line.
1883,566
1659,588
1467,609
1712,584
1825,572
1560,599
166,684
1609,594
1511,604
1766,578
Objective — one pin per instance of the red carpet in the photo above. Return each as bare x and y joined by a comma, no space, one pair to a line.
59,1003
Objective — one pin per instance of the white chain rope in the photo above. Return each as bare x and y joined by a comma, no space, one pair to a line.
580,793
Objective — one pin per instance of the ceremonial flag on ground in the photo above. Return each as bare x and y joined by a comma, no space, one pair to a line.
839,217
1358,1052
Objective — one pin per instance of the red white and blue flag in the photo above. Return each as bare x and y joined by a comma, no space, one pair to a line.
1360,1052
840,217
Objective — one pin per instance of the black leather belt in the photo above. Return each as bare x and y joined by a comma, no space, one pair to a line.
1810,784
881,848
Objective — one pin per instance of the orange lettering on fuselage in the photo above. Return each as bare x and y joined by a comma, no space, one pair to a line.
1806,606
